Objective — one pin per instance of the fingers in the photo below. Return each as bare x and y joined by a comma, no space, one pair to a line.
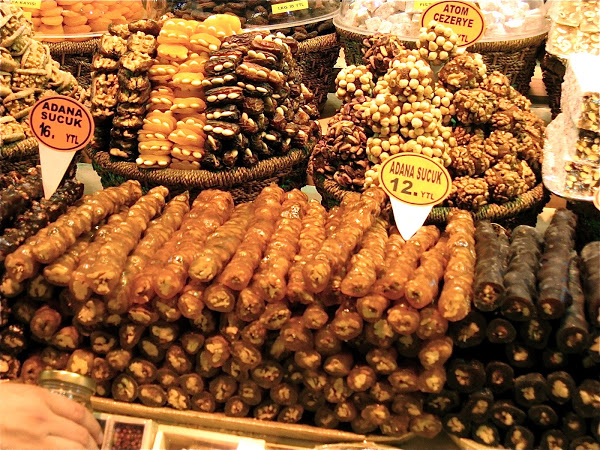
67,429
75,412
60,442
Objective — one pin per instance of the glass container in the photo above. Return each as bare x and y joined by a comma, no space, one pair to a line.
68,384
505,20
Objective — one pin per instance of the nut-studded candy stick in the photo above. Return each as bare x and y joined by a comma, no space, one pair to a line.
492,248
104,273
239,271
367,263
221,245
590,268
311,237
338,247
171,279
17,197
59,272
64,232
78,285
397,273
455,300
423,287
157,234
270,279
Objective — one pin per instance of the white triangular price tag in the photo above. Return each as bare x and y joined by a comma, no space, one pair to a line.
54,165
409,218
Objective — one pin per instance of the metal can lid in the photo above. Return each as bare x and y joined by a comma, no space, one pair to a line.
68,377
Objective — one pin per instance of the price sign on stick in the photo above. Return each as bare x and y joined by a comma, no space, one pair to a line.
415,183
597,198
465,19
62,126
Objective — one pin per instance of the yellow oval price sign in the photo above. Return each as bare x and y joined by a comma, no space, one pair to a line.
464,18
415,179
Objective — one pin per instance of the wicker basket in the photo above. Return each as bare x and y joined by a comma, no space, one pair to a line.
244,183
19,156
521,211
316,59
553,73
516,58
76,58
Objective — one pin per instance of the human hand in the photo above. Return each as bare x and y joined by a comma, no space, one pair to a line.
35,418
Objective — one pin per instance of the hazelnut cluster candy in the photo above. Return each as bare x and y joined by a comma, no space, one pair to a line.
372,176
464,71
443,101
419,118
380,50
354,82
382,114
410,78
437,43
474,106
469,193
380,148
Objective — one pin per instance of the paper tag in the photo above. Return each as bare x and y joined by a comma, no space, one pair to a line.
415,183
31,4
420,5
62,126
465,19
27,15
289,6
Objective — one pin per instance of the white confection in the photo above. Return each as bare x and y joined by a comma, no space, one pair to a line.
400,29
533,20
399,18
578,81
351,18
489,5
385,10
514,25
373,23
494,29
492,17
385,27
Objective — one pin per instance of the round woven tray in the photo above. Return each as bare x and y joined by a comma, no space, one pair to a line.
553,73
521,211
516,58
19,156
316,58
245,184
76,57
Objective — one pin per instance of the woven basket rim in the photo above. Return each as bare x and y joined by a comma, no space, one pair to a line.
88,46
502,45
204,179
19,150
318,43
533,196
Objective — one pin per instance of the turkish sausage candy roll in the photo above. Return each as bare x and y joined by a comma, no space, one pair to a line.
586,401
366,264
590,270
214,208
442,403
221,245
15,198
311,237
104,273
457,424
536,333
156,235
64,232
435,352
553,277
270,280
455,300
500,376
59,272
470,331
573,335
530,390
486,434
399,270
79,286
542,416
504,414
338,247
423,287
152,395
520,277
38,216
492,248
426,425
519,437
240,269
466,376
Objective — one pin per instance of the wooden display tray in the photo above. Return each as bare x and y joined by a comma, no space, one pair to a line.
282,434
469,444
